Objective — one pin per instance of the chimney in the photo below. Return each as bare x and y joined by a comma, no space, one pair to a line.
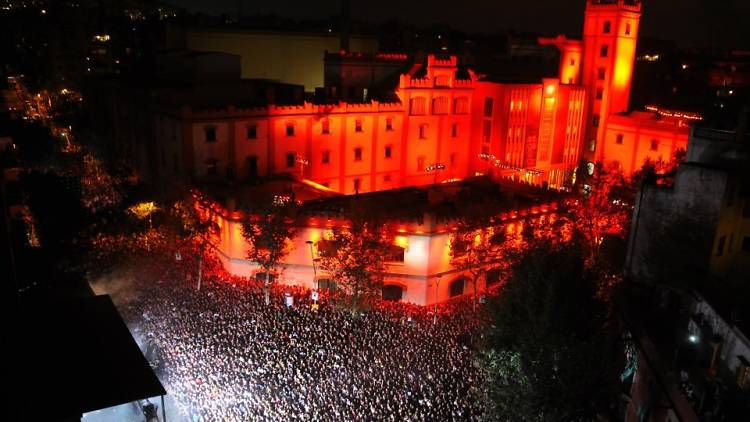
345,26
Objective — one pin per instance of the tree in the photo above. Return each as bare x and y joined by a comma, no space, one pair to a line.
544,340
355,257
194,227
473,249
269,232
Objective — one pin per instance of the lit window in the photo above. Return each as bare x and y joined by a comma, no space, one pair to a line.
326,157
389,123
357,154
440,105
388,151
290,129
607,27
252,132
325,127
358,125
604,52
290,160
619,139
417,106
461,105
423,131
654,144
210,134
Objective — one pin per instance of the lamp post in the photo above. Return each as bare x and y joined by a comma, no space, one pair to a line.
487,158
315,271
434,168
437,290
302,161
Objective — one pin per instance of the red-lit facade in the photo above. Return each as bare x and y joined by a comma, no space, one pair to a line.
445,126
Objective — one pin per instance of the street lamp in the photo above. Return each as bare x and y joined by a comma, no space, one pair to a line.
435,168
437,290
302,161
315,271
487,158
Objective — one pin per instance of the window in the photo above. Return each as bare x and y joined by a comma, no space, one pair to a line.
394,253
357,154
454,130
389,124
457,287
210,134
628,27
720,247
486,130
358,125
461,105
326,157
357,184
388,151
290,159
746,244
211,167
325,127
423,131
252,132
599,93
572,62
488,103
454,158
387,178
619,139
607,27
420,163
592,145
440,105
417,106
252,167
654,145
290,129
595,120
604,52
392,292
602,73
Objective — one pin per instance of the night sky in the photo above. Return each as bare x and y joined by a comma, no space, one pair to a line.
722,23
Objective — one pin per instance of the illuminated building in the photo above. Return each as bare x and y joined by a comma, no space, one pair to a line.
418,269
442,116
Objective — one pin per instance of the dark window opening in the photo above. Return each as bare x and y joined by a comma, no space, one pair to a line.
252,132
357,154
457,287
290,129
210,134
290,159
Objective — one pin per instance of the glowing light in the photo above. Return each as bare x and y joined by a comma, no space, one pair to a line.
101,38
401,241
550,89
693,338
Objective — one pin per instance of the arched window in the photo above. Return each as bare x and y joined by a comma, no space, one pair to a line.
457,287
417,106
440,105
393,292
461,105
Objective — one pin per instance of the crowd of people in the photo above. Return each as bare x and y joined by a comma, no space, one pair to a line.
226,356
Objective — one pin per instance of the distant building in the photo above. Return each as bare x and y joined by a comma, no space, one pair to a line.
288,57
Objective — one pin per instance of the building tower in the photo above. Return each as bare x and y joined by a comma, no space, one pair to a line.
610,34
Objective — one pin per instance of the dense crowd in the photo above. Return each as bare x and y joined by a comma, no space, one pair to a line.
225,356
